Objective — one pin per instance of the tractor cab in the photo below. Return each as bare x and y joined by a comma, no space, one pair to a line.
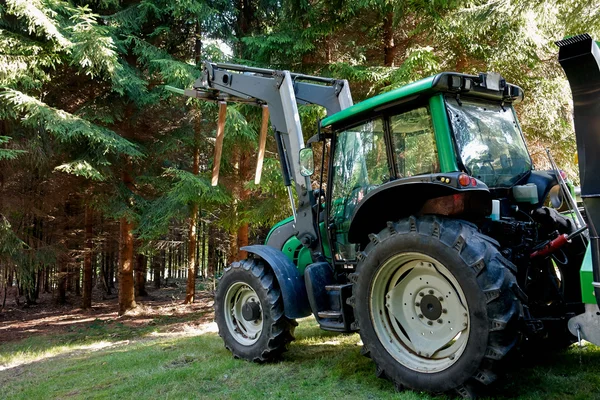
440,128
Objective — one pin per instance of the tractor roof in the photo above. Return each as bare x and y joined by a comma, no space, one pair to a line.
490,86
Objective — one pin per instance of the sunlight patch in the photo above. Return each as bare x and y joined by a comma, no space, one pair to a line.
189,330
24,358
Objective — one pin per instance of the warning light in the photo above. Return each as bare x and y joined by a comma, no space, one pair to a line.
464,179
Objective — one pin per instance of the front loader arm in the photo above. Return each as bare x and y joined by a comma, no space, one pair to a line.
281,91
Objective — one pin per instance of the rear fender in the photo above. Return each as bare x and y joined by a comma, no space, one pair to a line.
439,194
291,283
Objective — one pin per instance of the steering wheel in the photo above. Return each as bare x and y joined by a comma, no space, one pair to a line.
480,165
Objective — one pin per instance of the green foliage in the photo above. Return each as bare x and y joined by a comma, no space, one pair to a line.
93,49
184,188
64,126
10,244
8,154
81,168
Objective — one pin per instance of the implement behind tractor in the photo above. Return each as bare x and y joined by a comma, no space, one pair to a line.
432,235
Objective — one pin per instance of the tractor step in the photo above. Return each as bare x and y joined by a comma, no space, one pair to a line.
330,314
328,298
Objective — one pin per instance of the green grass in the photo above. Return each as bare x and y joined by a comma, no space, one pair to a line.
112,360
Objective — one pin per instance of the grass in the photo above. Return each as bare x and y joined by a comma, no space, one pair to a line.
107,359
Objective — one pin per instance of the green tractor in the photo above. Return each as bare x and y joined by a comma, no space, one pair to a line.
430,237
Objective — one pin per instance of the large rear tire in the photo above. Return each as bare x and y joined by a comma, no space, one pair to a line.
436,304
249,312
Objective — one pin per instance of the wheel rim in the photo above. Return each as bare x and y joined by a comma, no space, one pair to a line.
246,332
419,312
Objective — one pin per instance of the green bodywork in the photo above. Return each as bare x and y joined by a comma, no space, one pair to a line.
443,135
587,277
295,251
277,225
380,100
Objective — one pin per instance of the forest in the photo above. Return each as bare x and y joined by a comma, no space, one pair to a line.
107,206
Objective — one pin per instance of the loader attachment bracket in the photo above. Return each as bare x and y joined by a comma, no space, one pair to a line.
580,58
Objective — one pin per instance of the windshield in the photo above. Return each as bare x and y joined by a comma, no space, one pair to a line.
489,141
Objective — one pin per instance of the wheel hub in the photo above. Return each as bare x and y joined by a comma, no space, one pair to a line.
430,307
244,319
251,311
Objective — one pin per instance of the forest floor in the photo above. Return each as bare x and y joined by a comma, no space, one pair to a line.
167,350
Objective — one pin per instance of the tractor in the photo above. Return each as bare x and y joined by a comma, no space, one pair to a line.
433,236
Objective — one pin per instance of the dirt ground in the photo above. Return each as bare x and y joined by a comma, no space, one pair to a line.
47,318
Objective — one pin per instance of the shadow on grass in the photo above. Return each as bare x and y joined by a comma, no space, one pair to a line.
97,334
319,365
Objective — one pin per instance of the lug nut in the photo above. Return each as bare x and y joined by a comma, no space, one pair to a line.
429,323
445,311
440,298
440,321
421,294
431,292
420,315
417,304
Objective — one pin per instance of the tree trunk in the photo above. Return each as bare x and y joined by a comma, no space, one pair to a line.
111,271
86,299
197,260
5,288
156,271
203,230
190,290
389,48
62,280
212,254
170,274
140,275
126,285
77,278
245,174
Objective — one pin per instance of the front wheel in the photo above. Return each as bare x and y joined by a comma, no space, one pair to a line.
249,312
436,305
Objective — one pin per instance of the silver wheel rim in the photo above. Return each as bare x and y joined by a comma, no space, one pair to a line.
243,331
407,294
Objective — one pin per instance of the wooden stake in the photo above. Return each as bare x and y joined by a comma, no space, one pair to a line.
262,141
219,142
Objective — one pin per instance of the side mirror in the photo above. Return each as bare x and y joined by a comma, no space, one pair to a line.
307,162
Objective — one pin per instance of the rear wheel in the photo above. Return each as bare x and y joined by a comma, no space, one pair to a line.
436,305
249,312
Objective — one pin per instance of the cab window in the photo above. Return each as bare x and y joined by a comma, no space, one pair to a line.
413,143
360,164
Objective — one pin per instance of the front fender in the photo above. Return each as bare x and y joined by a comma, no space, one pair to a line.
439,194
291,283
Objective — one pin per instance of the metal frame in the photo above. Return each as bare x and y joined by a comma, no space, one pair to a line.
281,91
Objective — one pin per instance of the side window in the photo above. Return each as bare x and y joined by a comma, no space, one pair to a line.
360,164
413,143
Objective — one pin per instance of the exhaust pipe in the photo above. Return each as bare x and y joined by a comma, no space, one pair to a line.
579,56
